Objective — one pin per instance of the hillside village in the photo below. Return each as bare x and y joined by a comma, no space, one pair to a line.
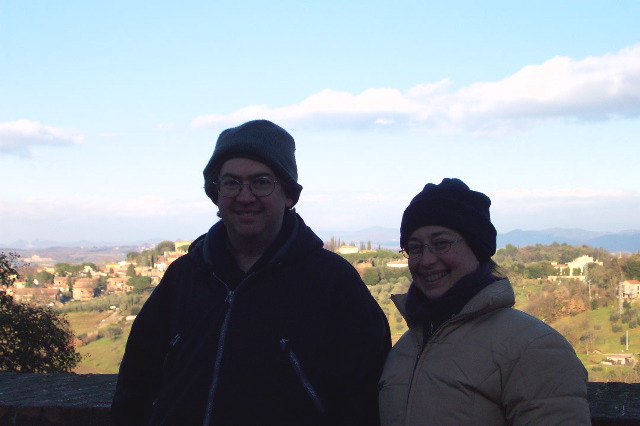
60,285
555,283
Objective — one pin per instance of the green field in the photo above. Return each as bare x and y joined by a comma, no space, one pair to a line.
604,342
101,356
589,332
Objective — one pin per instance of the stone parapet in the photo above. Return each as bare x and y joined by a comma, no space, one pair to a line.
84,399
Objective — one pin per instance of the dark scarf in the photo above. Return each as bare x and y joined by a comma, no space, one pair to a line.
432,313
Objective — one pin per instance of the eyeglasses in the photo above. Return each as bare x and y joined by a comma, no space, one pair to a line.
259,186
437,247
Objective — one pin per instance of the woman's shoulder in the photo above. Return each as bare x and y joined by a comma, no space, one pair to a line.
513,321
519,331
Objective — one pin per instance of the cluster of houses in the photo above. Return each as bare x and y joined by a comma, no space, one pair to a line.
114,277
577,269
361,265
86,285
630,289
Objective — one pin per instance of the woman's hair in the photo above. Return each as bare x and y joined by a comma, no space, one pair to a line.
495,269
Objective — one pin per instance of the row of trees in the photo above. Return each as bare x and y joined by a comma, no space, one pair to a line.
334,243
149,257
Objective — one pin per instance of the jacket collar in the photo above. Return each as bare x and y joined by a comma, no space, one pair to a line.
496,295
296,239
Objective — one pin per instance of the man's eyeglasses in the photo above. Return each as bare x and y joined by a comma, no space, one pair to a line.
259,186
437,247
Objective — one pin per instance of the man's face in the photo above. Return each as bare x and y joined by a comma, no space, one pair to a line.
250,219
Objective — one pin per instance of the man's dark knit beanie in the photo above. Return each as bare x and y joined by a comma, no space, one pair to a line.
258,140
453,205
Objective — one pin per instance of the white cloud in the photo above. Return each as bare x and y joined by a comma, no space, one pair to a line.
373,197
18,137
593,88
563,194
104,219
139,207
593,210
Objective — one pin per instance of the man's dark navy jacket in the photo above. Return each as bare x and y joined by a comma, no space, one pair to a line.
298,339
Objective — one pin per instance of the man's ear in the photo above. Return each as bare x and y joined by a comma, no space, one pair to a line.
288,202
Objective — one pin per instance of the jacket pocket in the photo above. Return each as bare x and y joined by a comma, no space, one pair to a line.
295,363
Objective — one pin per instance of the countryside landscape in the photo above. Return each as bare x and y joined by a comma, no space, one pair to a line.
590,295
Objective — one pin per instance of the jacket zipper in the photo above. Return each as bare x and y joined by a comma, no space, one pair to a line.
231,294
302,377
172,344
216,366
422,349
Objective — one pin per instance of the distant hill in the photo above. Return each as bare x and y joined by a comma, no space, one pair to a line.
47,244
628,241
85,251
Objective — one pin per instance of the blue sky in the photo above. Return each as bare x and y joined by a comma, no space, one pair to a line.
110,110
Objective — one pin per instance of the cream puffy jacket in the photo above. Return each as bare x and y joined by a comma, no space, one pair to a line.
488,365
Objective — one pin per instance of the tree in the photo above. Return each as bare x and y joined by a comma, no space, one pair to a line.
139,283
131,270
370,276
631,267
32,339
9,264
539,269
165,246
133,256
62,269
44,277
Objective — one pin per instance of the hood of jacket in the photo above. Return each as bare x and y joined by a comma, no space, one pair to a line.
211,251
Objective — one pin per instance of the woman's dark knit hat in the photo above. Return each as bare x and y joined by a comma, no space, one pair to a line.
259,140
453,205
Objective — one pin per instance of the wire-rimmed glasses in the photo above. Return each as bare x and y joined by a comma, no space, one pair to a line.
438,247
260,186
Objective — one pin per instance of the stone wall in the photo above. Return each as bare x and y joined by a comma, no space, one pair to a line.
74,400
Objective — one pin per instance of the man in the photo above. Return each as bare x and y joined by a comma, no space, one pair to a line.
257,324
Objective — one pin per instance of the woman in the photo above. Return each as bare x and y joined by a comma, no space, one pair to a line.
469,357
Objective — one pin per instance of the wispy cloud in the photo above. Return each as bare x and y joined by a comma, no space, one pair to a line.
18,137
563,194
103,219
595,210
138,207
592,88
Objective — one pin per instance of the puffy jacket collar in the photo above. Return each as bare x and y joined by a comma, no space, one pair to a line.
495,296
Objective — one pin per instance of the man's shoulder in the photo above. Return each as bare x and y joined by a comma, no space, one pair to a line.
181,265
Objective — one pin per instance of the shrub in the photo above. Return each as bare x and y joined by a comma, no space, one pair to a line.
34,339
112,332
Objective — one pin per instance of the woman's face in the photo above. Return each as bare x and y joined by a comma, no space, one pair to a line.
434,274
